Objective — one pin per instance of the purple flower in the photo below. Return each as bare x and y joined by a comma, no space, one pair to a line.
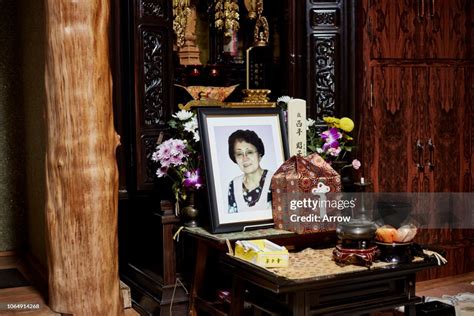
177,146
170,153
330,138
192,179
176,160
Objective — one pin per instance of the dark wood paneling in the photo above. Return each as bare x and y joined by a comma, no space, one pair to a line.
143,85
416,84
394,29
392,133
445,124
152,93
399,72
328,63
296,50
418,28
323,57
447,23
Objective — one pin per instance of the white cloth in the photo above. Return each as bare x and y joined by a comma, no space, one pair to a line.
262,203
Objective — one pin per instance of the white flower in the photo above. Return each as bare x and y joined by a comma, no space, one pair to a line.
319,150
334,151
191,126
284,99
161,172
196,136
183,115
309,122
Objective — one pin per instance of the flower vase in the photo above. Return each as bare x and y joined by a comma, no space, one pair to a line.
189,212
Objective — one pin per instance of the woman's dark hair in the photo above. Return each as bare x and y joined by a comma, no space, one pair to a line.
247,136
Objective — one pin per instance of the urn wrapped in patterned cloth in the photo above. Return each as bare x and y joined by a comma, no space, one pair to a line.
294,184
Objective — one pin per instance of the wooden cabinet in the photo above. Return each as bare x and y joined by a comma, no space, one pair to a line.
445,130
415,106
415,100
394,28
417,129
447,28
418,29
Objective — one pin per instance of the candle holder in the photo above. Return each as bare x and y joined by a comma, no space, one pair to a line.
256,95
355,245
254,98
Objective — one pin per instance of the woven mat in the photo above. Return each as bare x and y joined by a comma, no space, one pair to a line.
251,234
312,263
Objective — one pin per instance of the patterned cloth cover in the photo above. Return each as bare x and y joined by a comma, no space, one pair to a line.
296,179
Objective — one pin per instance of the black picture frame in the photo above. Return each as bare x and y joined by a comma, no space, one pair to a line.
215,127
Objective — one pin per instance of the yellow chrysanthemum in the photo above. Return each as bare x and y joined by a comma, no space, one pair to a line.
332,121
346,124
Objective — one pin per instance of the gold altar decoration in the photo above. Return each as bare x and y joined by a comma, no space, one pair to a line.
254,98
256,95
226,16
181,12
261,32
208,92
206,96
251,6
189,52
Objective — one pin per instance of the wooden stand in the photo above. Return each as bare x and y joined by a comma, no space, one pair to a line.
155,288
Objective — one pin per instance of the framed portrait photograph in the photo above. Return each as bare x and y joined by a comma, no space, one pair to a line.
242,149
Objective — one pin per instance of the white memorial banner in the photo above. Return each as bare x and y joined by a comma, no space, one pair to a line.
297,127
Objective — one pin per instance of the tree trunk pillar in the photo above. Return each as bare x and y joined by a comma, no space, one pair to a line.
81,170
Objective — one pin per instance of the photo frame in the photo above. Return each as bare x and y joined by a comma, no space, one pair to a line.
242,148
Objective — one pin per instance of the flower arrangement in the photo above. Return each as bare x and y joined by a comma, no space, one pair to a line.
331,143
179,158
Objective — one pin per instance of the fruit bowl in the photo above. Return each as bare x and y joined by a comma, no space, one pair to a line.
388,234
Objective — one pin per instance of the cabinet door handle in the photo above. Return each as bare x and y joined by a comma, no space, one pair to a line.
420,148
421,9
432,8
371,95
431,148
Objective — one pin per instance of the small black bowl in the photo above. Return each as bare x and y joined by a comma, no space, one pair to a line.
395,252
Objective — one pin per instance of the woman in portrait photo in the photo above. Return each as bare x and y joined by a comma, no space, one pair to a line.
251,190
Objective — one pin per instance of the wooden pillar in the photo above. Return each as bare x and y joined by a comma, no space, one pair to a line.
81,171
